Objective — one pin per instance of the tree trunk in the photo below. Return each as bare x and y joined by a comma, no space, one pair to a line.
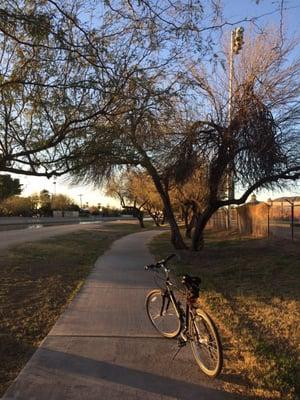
156,221
200,224
155,217
140,217
163,218
190,226
198,240
185,216
176,238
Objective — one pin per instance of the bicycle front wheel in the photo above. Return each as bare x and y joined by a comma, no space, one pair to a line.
163,313
205,343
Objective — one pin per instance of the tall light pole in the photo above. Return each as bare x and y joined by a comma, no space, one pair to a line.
236,44
80,197
54,185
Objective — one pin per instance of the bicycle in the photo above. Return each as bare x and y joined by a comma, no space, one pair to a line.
191,325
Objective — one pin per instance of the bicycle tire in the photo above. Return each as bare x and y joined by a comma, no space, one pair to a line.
166,321
205,343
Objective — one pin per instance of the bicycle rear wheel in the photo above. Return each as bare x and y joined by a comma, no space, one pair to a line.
163,314
205,344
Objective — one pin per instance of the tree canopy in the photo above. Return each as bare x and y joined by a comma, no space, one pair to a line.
9,187
91,90
171,133
64,66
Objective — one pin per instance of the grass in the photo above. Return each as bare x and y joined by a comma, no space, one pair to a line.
251,288
38,280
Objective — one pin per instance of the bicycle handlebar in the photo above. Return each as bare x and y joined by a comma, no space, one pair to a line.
160,263
192,283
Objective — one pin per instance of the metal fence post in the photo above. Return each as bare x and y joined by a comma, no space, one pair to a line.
292,203
268,220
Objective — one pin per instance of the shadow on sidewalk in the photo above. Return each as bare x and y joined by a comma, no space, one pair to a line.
63,370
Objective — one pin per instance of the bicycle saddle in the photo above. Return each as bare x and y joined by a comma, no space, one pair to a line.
191,281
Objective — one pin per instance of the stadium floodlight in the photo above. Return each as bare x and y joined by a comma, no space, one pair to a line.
238,36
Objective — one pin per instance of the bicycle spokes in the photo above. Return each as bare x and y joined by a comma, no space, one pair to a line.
205,345
162,314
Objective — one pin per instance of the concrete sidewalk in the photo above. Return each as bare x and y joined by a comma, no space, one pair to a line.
104,347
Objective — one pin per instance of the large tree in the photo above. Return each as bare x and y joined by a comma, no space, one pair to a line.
172,131
9,186
190,197
121,87
259,145
123,188
58,75
137,194
63,65
17,206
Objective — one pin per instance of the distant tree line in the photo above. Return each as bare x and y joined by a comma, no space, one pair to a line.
41,204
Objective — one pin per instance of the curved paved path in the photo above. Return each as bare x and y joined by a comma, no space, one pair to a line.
103,346
13,237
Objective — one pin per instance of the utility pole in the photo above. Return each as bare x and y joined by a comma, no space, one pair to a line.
80,197
236,44
54,190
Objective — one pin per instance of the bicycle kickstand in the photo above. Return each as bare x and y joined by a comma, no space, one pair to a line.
181,342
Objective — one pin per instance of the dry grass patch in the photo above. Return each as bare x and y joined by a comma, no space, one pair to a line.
251,288
38,279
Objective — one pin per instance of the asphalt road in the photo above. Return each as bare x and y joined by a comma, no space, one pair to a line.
104,347
12,237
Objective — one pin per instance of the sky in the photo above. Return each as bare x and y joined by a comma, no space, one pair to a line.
80,194
234,10
264,9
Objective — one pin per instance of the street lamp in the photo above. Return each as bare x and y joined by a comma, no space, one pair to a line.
237,36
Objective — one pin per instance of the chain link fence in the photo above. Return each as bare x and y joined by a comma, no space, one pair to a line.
275,218
284,219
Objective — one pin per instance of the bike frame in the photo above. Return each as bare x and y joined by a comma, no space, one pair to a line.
184,316
188,329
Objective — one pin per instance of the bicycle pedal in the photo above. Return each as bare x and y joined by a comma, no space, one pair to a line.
183,337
